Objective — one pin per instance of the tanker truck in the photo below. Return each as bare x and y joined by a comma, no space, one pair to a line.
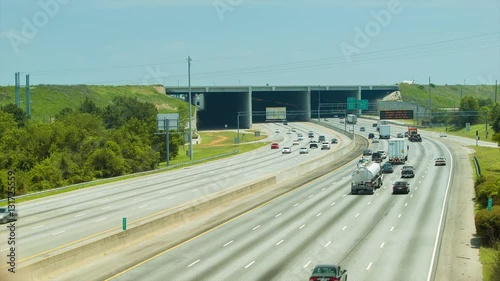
366,177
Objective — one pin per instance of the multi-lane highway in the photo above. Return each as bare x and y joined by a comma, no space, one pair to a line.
55,221
374,237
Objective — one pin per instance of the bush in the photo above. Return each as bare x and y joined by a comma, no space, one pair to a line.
495,276
488,225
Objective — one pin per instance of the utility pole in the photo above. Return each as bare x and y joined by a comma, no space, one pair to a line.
430,111
190,115
496,87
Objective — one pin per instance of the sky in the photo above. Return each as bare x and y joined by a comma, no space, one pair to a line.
250,42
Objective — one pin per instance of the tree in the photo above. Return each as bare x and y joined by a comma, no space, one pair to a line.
16,112
88,106
124,108
468,112
65,111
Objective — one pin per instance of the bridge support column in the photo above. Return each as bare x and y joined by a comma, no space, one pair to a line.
246,117
358,97
307,104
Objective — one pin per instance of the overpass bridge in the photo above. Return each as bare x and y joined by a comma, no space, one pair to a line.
219,106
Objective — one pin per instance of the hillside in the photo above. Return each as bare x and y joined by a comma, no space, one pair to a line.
444,96
48,100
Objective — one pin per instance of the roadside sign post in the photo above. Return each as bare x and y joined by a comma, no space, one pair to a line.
467,127
490,204
124,224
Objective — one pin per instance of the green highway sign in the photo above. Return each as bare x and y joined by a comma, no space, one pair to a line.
351,103
124,224
363,104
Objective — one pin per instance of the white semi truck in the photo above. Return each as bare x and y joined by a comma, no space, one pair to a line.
385,131
366,177
351,119
398,151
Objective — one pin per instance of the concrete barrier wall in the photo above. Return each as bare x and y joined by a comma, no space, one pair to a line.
115,240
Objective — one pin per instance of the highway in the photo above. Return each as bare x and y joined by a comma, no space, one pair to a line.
51,222
374,237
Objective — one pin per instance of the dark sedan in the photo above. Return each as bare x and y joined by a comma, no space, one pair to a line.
330,272
401,187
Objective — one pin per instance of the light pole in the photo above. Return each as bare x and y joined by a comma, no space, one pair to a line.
190,115
430,111
319,104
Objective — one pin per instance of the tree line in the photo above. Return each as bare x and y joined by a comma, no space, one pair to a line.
82,145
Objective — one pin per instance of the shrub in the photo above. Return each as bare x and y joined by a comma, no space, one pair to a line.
495,276
488,225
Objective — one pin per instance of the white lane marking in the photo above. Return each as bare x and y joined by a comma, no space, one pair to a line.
343,228
357,215
423,176
302,226
28,219
106,207
279,242
377,194
171,197
105,200
369,202
343,177
406,204
277,215
334,182
369,265
59,232
4,249
416,188
308,263
37,227
392,228
385,187
319,214
227,243
399,216
163,191
256,227
101,219
411,195
250,264
425,171
143,206
419,181
296,204
344,195
323,188
327,244
79,215
332,204
311,195
382,245
193,263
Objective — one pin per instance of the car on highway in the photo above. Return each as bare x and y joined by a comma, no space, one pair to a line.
310,135
383,154
277,131
408,172
7,215
321,139
328,272
401,187
286,150
362,129
275,145
325,145
300,138
294,130
440,161
285,122
289,132
400,135
371,135
387,168
367,151
406,134
295,142
334,140
442,135
313,144
375,140
303,150
374,125
342,121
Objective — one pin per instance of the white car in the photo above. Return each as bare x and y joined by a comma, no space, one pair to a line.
383,154
295,142
286,150
303,150
300,138
375,140
289,132
325,145
442,135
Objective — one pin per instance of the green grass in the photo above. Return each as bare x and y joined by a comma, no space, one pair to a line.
444,96
487,258
48,100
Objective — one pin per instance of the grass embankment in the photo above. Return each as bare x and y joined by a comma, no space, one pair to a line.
481,128
489,162
48,100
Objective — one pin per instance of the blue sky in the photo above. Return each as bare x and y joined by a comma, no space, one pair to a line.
250,42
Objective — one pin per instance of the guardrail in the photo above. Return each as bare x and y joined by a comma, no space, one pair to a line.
330,126
124,176
478,168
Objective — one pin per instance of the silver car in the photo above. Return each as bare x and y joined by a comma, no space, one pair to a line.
7,215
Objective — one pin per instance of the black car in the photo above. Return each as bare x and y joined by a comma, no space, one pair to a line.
367,152
408,172
334,140
371,136
401,187
285,122
328,272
